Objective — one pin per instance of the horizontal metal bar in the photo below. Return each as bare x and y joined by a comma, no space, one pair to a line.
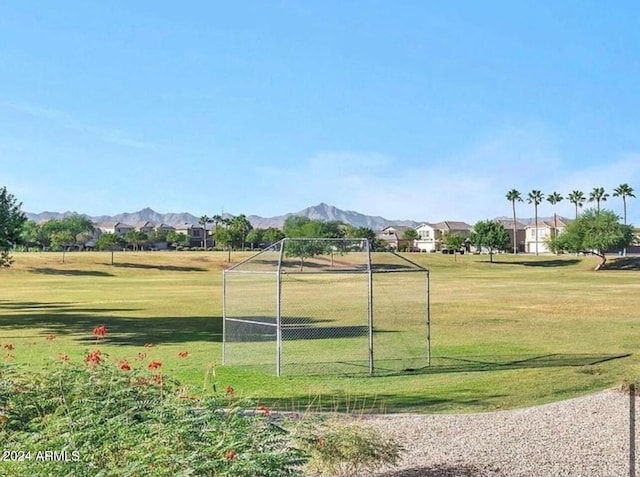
238,320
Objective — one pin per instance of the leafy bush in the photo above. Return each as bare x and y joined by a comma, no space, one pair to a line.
340,447
103,419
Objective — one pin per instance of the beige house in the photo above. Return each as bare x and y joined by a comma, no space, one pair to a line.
545,231
196,234
430,235
392,236
118,228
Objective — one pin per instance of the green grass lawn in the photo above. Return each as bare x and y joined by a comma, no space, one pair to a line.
521,331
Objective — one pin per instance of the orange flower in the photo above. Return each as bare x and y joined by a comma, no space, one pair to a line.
264,410
93,357
154,365
63,357
50,337
100,331
9,346
183,354
230,391
230,455
123,364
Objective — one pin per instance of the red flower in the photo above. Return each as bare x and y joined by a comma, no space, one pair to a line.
123,364
63,357
183,354
100,331
230,391
50,337
9,346
230,455
154,365
93,357
264,410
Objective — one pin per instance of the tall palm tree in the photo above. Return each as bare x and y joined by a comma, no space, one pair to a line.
204,220
535,197
598,195
577,198
553,199
217,220
514,196
624,191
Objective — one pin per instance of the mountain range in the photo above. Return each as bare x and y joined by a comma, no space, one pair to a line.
321,211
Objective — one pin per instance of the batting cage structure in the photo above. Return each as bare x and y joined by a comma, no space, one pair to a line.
326,306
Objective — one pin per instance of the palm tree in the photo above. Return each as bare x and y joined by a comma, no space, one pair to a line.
598,195
217,220
204,220
553,199
514,196
535,197
577,198
624,191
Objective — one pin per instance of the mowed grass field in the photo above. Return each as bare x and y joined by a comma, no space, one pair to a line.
518,332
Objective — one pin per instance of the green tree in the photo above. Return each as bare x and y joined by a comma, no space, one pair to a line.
272,235
136,239
554,198
594,232
598,195
490,235
62,239
514,196
239,227
360,232
408,237
453,242
34,235
305,228
204,220
577,198
254,237
535,197
177,239
12,221
217,219
109,241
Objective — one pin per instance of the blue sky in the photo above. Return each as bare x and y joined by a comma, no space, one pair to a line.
428,110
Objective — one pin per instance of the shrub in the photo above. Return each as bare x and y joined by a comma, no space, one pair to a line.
114,421
340,447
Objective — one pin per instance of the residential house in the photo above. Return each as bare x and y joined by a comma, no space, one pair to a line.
521,234
118,228
430,235
196,234
392,236
545,231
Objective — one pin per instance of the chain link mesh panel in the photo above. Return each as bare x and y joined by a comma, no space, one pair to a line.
305,306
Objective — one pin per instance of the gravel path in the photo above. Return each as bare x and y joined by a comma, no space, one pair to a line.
586,436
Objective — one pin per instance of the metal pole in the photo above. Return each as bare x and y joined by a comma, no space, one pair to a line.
370,309
632,430
279,311
428,319
224,317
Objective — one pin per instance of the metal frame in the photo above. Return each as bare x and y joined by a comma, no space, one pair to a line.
279,272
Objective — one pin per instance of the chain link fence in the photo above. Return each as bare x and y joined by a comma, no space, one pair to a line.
326,306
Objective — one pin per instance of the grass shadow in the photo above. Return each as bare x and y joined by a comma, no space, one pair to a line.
70,272
558,262
442,470
65,319
623,263
164,268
